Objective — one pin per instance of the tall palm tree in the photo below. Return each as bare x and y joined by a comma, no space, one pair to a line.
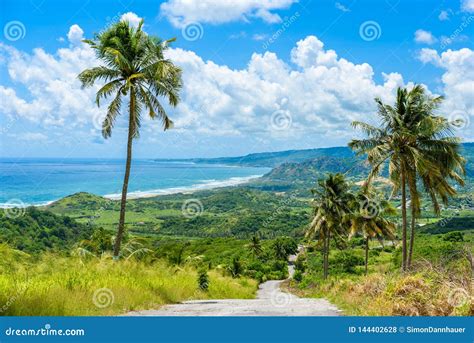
415,144
332,201
369,218
134,69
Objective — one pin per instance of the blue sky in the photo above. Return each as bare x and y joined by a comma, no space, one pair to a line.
259,75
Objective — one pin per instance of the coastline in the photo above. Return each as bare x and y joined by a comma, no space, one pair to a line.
208,185
205,185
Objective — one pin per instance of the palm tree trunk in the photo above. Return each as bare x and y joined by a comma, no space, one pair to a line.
412,235
404,223
123,202
366,254
326,256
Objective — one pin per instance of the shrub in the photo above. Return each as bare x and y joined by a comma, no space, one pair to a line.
298,276
235,268
203,280
346,261
300,263
454,236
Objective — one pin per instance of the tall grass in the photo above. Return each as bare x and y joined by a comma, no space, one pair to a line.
61,286
425,292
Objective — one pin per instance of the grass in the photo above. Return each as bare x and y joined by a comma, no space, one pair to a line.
422,293
439,284
65,286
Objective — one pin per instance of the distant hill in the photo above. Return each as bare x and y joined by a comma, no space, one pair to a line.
456,223
274,159
309,169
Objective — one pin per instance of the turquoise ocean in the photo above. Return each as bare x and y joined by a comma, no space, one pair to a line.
41,181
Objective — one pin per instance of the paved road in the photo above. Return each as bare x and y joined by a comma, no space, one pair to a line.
270,301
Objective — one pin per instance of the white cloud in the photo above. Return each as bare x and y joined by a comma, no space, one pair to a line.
259,36
467,5
323,96
428,56
443,15
54,95
321,91
426,37
132,18
75,34
341,7
458,79
180,12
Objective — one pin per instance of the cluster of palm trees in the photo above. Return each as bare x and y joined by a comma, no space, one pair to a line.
418,151
340,214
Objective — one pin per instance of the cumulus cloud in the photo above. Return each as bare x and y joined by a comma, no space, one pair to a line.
54,93
426,37
458,79
322,96
180,12
132,18
467,5
75,34
320,91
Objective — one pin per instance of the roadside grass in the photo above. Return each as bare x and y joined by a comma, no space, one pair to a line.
421,293
439,284
67,286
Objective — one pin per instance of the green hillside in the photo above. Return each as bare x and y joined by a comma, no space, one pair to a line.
37,230
273,159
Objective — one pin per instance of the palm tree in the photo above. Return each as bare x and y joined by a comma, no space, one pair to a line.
437,144
415,144
369,219
255,246
133,66
332,201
